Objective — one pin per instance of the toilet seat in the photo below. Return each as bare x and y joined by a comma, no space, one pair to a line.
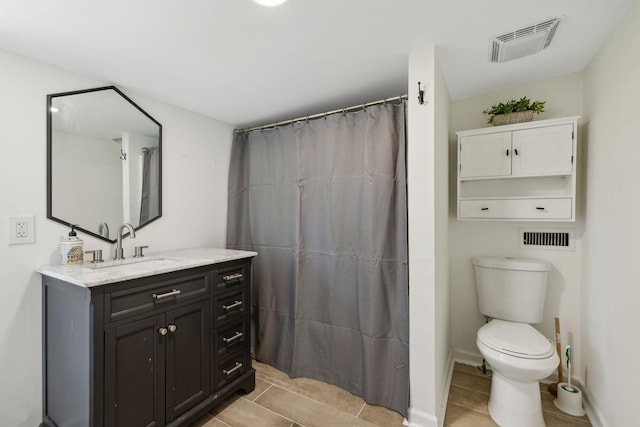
515,339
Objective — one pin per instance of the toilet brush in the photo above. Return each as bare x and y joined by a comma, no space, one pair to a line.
553,387
569,398
569,387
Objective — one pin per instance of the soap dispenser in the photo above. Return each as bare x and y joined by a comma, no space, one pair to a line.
72,248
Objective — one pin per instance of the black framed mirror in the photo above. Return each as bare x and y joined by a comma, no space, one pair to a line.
104,162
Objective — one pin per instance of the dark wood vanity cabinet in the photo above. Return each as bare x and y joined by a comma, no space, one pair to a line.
155,351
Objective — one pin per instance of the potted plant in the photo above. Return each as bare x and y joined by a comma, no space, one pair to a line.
514,111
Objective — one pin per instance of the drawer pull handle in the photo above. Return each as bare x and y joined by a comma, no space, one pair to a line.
173,292
540,208
484,209
233,338
234,276
232,370
234,305
172,328
163,331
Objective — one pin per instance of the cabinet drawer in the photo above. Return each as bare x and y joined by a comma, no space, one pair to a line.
228,369
523,209
231,338
146,298
230,277
230,305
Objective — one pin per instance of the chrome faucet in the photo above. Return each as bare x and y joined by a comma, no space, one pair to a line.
103,229
132,233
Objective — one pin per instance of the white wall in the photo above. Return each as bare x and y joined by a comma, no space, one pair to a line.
443,353
469,238
195,170
611,285
427,205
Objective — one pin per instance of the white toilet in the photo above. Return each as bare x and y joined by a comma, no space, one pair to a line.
511,292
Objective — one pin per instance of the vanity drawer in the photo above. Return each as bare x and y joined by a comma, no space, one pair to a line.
230,305
145,298
231,338
231,277
229,368
523,209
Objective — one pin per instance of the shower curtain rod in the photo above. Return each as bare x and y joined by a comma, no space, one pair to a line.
319,115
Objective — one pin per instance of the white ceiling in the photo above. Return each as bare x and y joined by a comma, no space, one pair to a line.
246,64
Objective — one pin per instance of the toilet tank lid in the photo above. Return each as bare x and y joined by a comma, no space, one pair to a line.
507,263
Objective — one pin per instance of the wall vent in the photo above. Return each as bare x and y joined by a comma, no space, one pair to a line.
546,239
523,42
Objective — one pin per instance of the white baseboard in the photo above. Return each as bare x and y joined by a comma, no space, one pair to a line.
467,357
593,413
418,418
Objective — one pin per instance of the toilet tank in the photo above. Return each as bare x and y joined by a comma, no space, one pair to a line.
511,288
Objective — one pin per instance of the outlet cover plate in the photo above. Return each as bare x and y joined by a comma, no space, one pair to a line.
22,230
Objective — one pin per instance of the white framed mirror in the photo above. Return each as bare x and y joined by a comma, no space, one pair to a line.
104,162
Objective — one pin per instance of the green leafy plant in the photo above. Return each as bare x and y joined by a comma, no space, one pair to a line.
513,106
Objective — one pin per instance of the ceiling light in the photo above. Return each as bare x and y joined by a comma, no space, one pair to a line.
523,42
270,3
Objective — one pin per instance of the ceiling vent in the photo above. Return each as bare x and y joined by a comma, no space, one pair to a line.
523,42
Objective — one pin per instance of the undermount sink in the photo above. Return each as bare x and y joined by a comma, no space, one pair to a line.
150,262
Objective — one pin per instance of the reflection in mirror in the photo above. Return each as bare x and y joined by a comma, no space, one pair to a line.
103,162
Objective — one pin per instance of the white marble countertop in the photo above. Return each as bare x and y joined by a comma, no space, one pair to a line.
111,271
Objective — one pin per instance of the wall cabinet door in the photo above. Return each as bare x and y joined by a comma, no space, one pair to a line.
485,155
543,151
134,374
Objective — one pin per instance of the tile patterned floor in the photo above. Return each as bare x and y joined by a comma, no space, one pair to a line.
469,397
280,401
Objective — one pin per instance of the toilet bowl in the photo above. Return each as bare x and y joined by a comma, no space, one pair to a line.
511,292
519,356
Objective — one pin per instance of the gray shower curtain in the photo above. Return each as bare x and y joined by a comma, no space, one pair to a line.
323,202
150,201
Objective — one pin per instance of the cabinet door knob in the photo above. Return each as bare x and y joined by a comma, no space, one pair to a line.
172,328
540,208
163,331
484,209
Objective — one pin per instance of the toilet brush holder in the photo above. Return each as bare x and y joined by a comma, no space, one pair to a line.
569,399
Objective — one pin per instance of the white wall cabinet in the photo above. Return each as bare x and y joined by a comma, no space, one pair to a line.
521,172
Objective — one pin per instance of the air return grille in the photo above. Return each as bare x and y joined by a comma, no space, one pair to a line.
546,239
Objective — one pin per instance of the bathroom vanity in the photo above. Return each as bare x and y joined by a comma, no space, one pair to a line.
153,341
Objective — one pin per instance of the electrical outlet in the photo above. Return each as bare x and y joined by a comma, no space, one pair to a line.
22,230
